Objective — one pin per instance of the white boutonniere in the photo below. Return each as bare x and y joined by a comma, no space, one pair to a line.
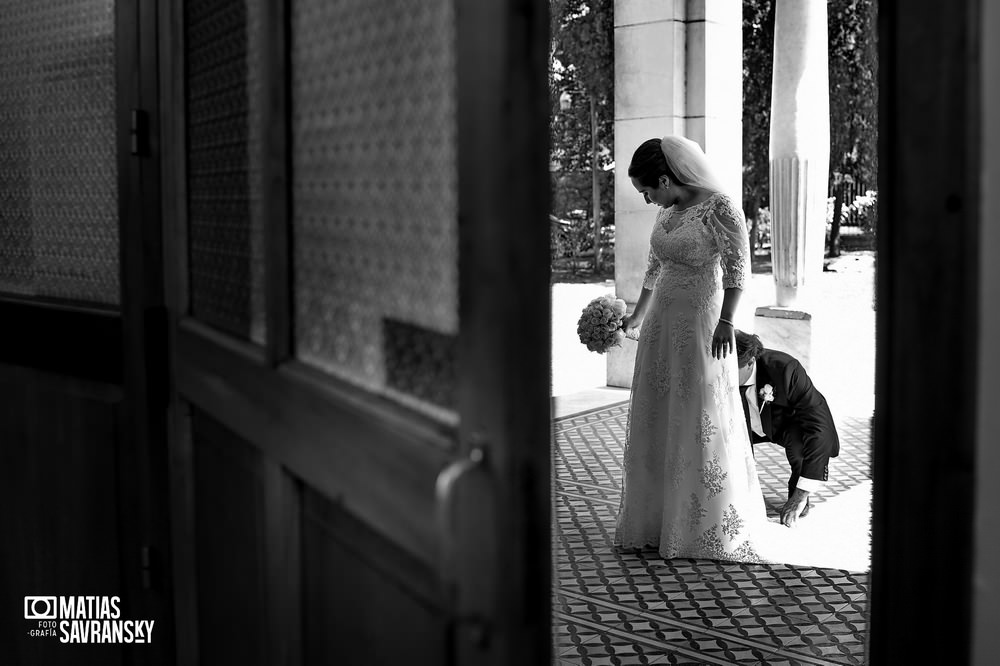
766,396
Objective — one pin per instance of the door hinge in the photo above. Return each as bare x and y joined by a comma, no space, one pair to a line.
146,568
139,132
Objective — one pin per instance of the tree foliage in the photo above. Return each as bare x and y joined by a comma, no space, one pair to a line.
853,90
581,97
758,66
853,62
582,68
853,102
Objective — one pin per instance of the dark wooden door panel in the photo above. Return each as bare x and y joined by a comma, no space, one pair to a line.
357,516
247,537
381,461
69,340
59,491
366,602
287,575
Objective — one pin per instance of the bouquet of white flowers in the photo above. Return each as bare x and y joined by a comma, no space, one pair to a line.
600,325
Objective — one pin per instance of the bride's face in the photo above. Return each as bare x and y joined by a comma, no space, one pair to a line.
659,195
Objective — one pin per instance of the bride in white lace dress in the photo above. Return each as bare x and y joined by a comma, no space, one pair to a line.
690,487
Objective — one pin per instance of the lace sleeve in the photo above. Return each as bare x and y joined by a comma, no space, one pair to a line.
653,263
729,228
652,271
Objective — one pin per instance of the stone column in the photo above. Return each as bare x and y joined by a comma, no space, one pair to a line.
800,158
678,70
714,96
800,146
650,40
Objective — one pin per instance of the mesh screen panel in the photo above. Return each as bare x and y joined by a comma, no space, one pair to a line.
375,237
58,170
224,176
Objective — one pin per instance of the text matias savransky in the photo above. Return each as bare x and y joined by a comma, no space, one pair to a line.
85,619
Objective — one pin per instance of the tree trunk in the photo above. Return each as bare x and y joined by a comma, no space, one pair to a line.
751,213
838,208
595,170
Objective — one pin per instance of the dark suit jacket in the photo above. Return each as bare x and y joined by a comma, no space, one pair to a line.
796,401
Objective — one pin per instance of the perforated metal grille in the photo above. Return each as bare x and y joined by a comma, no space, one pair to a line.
375,193
225,224
58,171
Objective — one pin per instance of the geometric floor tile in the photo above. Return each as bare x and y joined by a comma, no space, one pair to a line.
623,608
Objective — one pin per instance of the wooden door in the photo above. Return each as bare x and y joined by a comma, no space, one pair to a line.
82,459
355,213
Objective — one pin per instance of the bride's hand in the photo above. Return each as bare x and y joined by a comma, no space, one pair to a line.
723,341
631,327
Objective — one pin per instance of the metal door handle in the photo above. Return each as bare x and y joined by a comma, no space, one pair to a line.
469,583
444,491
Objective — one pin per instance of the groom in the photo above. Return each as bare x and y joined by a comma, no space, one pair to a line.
781,405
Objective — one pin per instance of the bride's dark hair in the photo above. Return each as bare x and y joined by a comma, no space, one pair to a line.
649,163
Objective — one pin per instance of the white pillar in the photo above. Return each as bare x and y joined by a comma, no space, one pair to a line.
678,70
650,40
800,146
714,95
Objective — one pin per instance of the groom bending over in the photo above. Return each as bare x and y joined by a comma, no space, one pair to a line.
781,405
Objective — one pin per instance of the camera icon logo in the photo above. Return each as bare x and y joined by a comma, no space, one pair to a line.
40,608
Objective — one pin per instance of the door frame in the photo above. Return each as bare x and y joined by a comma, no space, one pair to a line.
927,325
143,319
114,353
504,204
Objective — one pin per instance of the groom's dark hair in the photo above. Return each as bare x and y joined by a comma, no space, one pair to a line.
748,347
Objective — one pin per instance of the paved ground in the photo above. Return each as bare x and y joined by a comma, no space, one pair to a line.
617,608
628,608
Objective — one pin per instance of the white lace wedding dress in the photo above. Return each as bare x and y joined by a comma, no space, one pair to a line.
690,483
690,487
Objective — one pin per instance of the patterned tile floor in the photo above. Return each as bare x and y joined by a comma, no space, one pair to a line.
627,608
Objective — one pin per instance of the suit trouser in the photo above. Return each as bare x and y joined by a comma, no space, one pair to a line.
812,463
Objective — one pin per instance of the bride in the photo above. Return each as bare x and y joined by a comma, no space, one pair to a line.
690,484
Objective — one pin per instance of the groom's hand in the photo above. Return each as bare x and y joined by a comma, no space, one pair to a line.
796,507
